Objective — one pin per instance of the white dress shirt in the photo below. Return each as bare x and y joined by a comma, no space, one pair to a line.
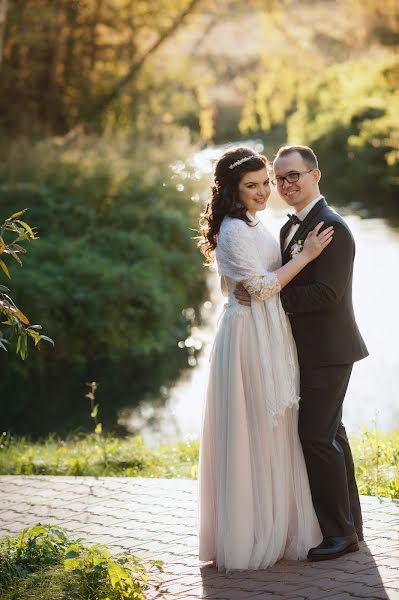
302,214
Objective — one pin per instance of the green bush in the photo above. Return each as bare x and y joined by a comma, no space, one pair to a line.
376,456
116,263
114,269
42,562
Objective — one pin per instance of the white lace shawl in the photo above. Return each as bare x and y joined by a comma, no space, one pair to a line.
241,256
239,259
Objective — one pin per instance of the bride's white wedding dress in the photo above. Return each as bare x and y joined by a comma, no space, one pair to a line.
255,503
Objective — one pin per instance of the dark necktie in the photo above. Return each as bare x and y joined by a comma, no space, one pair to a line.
294,219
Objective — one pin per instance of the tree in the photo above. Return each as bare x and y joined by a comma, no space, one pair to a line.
349,116
3,16
67,62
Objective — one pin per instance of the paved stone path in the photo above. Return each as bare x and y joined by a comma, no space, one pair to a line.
156,518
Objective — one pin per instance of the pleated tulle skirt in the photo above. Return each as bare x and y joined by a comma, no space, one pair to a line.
255,505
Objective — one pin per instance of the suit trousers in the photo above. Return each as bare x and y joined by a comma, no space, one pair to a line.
326,449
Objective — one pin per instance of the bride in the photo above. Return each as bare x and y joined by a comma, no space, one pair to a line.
255,505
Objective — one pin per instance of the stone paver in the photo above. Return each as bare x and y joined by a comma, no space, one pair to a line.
157,518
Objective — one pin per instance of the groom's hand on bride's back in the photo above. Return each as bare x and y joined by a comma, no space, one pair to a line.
242,295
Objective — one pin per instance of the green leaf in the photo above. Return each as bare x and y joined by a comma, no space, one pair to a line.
15,255
73,548
4,267
117,574
48,339
98,428
157,563
71,554
94,412
36,530
24,348
17,214
72,564
3,288
27,227
60,532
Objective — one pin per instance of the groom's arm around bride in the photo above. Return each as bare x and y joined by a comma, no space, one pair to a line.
319,299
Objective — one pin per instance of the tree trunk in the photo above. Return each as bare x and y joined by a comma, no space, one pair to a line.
3,16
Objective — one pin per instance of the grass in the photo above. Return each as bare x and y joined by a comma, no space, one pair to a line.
99,456
376,457
43,563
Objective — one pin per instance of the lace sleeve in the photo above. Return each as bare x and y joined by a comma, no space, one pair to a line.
261,288
238,259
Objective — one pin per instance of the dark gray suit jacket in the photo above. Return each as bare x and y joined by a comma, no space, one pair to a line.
318,300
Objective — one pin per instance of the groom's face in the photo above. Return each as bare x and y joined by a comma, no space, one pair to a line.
303,191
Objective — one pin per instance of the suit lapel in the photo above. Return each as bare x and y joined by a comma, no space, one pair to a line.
283,234
303,229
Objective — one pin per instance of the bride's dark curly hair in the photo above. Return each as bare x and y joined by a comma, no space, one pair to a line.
224,199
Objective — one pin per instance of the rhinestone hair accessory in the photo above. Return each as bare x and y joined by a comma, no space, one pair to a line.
242,160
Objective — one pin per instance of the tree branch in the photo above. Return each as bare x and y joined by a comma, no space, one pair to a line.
213,22
135,67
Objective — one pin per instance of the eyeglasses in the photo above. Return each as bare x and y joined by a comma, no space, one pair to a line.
290,178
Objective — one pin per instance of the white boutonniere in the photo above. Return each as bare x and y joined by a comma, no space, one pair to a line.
296,248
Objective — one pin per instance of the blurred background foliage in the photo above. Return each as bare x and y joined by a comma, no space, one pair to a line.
102,105
110,277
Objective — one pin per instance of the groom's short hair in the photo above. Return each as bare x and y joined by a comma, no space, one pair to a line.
307,154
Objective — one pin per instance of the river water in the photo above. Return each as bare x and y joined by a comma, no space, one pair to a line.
372,398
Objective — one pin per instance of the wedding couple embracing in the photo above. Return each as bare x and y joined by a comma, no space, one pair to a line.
276,473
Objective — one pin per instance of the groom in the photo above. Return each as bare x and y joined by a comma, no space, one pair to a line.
318,302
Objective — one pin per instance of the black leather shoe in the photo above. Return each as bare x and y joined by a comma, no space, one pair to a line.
360,536
334,547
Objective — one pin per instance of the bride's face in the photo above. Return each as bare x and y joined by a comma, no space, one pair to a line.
254,190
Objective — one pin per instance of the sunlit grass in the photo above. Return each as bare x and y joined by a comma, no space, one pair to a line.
98,456
376,456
